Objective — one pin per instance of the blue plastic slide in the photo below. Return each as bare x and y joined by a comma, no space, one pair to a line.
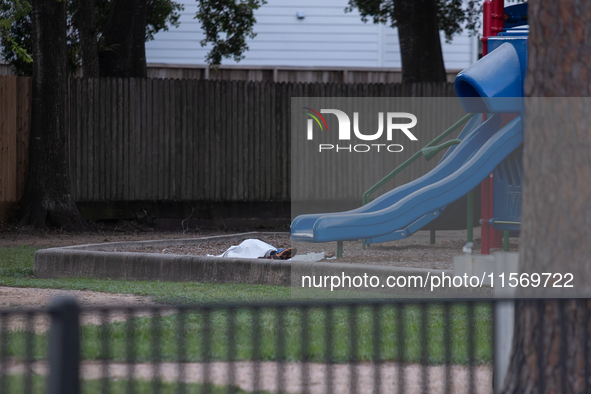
494,86
412,205
303,223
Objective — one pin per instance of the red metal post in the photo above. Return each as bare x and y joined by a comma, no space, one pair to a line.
498,16
484,226
486,25
494,20
496,237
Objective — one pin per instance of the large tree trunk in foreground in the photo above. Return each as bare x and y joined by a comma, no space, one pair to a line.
86,25
420,45
47,199
551,348
122,48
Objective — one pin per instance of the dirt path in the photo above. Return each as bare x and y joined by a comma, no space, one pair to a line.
40,239
16,297
264,376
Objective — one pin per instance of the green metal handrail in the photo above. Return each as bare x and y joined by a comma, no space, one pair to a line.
506,222
430,151
367,195
505,232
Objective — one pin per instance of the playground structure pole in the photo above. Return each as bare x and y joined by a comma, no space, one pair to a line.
494,20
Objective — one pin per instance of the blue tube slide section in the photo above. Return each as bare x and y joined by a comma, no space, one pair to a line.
472,160
494,84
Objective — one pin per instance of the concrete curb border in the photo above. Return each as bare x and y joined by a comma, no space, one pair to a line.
99,261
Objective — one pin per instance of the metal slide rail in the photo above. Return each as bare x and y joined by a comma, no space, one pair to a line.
366,198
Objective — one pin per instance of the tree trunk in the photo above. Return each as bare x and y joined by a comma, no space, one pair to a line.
122,47
47,198
552,338
420,45
86,25
550,347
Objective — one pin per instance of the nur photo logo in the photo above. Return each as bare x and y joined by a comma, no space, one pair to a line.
391,122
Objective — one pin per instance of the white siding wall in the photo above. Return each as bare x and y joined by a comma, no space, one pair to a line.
326,37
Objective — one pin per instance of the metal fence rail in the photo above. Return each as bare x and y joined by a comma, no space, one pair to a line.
394,346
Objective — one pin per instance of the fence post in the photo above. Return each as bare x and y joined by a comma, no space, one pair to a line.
504,323
64,347
503,305
504,310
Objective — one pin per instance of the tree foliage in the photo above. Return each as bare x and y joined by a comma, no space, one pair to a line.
161,14
453,15
226,25
10,11
418,23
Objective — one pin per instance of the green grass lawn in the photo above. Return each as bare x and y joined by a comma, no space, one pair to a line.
16,270
246,332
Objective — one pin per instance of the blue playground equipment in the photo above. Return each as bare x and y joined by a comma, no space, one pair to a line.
491,91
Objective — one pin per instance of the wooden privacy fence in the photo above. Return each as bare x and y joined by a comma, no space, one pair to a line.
196,140
345,175
178,139
165,139
281,73
15,120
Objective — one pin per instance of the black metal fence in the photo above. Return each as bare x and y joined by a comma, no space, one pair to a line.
394,346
